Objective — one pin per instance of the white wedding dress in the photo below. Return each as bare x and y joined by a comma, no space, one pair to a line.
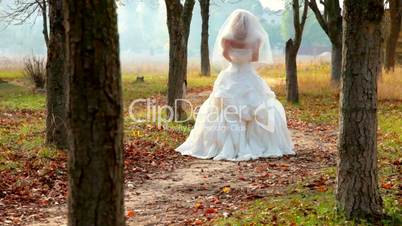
241,119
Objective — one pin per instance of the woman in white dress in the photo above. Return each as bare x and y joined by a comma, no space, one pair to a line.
241,119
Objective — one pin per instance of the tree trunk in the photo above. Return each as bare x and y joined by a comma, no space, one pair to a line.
395,9
291,50
205,62
178,21
291,73
357,190
56,82
45,24
95,116
331,22
177,74
336,63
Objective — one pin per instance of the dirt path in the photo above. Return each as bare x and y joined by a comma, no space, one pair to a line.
204,189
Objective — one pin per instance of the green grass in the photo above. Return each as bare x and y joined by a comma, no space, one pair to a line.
156,84
153,85
11,74
307,208
17,97
22,140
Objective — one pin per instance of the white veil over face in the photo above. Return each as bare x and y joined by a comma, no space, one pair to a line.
244,27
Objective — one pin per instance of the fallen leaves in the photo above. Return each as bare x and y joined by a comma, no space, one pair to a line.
198,205
210,211
198,222
387,185
226,189
131,213
398,162
320,184
143,157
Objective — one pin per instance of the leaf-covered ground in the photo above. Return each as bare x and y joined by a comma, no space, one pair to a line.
163,187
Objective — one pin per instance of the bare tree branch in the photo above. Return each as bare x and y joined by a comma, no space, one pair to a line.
20,11
299,25
321,20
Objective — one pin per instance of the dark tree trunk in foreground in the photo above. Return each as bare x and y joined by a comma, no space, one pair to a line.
178,22
395,9
56,129
205,62
95,114
357,181
331,22
291,50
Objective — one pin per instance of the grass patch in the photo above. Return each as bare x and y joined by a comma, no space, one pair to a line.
11,74
309,208
16,97
156,84
48,153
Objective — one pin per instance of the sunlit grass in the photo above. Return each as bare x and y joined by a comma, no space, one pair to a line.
11,74
308,208
13,97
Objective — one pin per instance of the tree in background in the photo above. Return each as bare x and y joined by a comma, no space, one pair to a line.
95,114
21,11
205,62
56,77
395,12
357,190
331,22
178,21
291,50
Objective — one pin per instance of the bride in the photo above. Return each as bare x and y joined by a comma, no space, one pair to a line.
241,119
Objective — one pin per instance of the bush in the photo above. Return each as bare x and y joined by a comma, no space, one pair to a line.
35,71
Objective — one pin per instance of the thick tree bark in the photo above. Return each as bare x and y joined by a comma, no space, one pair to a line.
178,22
56,82
291,50
331,22
395,9
357,181
291,73
95,114
205,62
